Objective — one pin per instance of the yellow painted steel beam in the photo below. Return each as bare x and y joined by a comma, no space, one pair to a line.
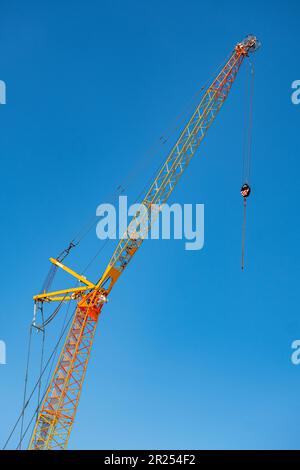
60,294
49,295
73,273
59,299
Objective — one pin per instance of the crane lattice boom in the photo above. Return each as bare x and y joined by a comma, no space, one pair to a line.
57,412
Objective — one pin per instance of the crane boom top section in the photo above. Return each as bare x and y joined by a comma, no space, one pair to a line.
177,161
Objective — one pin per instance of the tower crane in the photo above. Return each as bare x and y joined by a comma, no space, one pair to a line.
58,409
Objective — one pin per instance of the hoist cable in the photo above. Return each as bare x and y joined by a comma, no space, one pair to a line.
250,121
245,190
249,93
243,235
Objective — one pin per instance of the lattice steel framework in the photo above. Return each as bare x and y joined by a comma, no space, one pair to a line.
57,413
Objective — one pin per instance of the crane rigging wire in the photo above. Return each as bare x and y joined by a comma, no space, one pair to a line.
35,413
26,377
62,328
28,400
43,332
163,140
41,398
82,234
133,174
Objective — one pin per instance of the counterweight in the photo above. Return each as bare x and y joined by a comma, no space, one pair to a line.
57,413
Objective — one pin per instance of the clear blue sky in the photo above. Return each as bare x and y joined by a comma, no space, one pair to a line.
190,352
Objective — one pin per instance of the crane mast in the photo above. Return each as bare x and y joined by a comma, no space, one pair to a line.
58,409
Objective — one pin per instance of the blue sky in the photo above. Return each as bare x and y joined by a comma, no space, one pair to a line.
190,352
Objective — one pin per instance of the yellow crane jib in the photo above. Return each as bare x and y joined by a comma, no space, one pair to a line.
65,294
